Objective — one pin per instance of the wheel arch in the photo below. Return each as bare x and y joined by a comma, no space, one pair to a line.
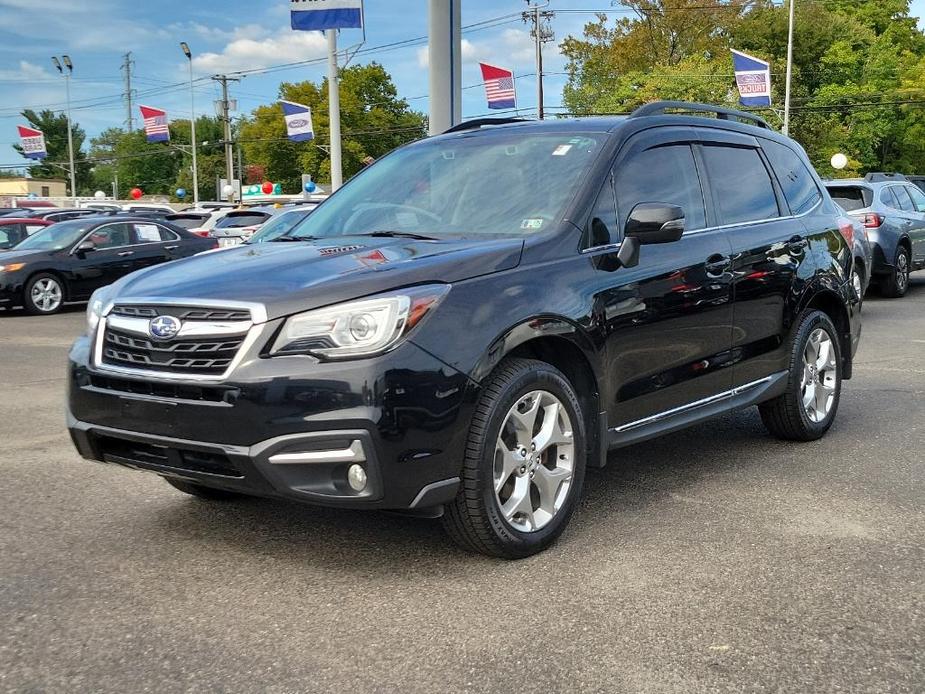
562,344
65,288
831,303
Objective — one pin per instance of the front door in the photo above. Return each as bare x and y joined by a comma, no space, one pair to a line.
110,259
668,320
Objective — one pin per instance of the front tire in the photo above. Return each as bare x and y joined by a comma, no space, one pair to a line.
806,411
896,284
524,464
44,294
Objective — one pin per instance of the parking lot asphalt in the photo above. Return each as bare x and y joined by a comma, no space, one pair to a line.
716,559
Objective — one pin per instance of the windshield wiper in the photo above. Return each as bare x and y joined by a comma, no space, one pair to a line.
385,233
294,238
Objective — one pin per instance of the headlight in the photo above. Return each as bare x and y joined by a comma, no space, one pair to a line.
96,306
360,328
12,267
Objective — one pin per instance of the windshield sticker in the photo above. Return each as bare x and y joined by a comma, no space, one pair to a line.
535,223
561,150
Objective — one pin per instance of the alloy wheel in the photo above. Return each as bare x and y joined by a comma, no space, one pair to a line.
46,294
820,373
902,271
534,461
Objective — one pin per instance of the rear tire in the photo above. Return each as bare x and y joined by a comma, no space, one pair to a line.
44,294
524,463
201,492
896,284
808,407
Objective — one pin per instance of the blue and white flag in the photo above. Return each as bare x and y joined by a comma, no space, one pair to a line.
298,121
318,15
753,78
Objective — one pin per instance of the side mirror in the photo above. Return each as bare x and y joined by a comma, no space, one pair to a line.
85,247
655,222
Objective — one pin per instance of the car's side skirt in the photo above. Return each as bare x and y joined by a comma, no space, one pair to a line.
696,412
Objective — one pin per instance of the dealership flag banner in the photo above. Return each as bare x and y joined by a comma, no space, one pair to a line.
753,78
318,15
499,86
298,121
155,124
33,142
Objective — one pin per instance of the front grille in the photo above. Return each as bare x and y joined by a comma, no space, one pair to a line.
184,313
174,391
147,455
208,356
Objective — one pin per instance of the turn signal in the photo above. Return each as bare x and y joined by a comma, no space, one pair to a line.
12,267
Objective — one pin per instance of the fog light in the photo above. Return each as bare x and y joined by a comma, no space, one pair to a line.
356,477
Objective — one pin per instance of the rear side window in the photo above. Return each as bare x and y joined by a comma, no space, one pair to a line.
741,184
905,202
795,179
851,197
918,199
662,174
887,198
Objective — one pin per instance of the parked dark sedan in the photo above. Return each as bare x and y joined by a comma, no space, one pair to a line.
68,261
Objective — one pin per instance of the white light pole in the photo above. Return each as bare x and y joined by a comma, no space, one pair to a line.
337,175
192,120
70,135
786,128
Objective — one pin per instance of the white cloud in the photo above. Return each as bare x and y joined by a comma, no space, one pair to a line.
470,53
247,53
27,71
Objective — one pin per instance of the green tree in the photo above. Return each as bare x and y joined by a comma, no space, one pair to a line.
56,164
373,122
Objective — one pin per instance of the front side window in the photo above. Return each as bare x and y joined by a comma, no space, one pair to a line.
741,184
794,177
602,226
662,174
111,236
492,182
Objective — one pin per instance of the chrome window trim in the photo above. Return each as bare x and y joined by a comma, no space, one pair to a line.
725,395
616,246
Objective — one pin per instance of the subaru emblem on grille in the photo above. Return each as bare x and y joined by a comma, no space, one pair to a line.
164,327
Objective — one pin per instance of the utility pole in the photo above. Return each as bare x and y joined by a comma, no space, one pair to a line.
127,63
184,46
542,33
67,70
337,176
786,128
225,107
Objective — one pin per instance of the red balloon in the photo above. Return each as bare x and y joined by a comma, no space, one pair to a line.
267,188
136,193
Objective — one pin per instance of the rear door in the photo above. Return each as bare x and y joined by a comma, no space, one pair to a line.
770,249
669,319
150,246
917,231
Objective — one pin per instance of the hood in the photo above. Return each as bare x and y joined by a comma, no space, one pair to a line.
291,277
11,255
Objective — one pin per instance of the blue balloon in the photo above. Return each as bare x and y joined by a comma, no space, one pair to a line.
181,193
310,187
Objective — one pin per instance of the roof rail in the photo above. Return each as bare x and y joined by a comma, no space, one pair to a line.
881,177
479,122
658,108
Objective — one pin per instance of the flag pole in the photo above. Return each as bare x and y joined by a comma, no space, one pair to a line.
786,128
337,177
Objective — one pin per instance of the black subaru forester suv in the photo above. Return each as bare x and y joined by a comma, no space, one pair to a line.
472,321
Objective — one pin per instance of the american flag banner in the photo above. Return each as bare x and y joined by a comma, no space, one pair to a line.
499,86
155,124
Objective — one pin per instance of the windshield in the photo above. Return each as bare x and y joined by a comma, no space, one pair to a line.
504,182
280,225
55,237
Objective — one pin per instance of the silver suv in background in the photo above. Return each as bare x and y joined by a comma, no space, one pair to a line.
892,211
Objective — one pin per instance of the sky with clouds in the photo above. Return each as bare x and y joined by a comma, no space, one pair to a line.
236,35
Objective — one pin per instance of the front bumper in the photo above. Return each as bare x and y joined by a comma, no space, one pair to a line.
11,290
285,427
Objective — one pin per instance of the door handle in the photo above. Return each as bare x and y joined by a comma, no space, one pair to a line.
797,244
716,265
126,253
170,248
